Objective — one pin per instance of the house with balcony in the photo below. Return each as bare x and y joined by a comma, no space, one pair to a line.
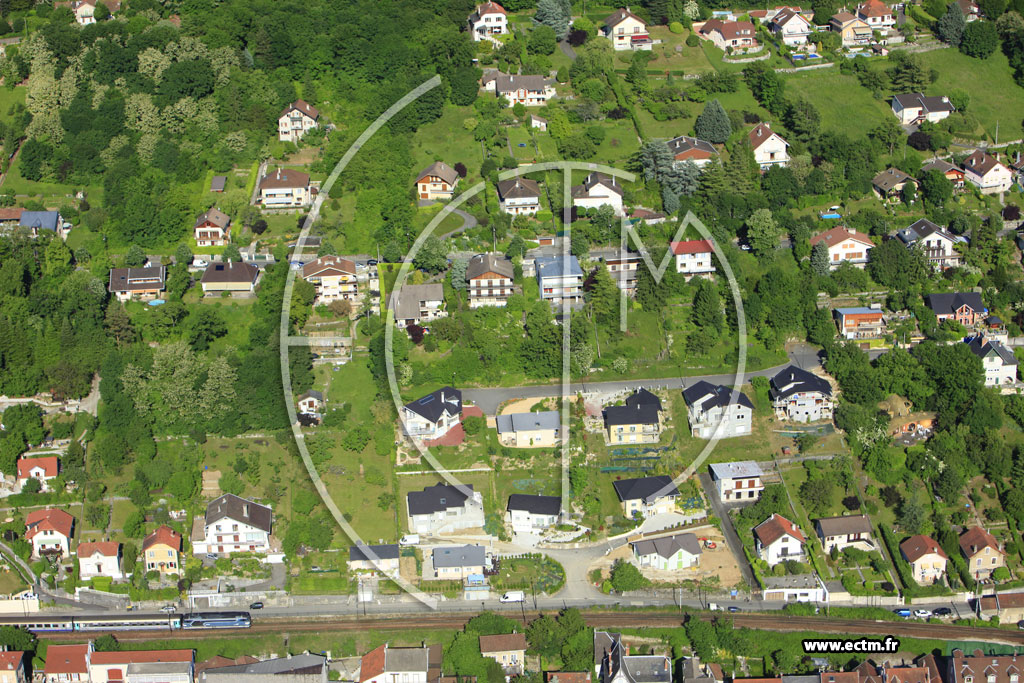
791,26
926,558
777,540
433,415
560,279
161,551
936,243
235,525
519,196
966,308
597,190
890,183
527,90
489,280
914,108
532,514
437,181
284,188
646,496
530,430
333,277
876,14
212,228
638,421
859,322
443,508
137,284
954,174
693,258
623,270
685,148
488,19
845,245
49,531
848,531
507,649
296,119
998,361
737,36
800,396
667,553
417,304
737,482
852,30
626,31
717,411
986,173
770,148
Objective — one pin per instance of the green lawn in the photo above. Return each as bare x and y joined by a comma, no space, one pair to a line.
855,105
448,140
995,97
51,194
9,97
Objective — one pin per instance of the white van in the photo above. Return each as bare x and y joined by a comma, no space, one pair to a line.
513,596
409,539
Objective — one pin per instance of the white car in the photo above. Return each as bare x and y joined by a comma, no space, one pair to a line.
922,613
199,263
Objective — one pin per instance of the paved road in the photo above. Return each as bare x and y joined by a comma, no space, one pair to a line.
732,539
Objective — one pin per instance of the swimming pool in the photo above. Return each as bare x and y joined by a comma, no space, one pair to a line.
812,55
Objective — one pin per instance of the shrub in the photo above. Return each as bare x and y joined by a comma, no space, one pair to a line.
676,27
692,40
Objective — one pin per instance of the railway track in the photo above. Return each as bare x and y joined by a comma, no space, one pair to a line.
769,622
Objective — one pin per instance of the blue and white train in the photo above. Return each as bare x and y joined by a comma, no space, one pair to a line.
43,623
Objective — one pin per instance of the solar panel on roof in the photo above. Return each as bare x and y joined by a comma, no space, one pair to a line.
425,400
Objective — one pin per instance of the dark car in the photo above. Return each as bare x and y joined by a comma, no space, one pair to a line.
734,609
371,262
256,605
942,612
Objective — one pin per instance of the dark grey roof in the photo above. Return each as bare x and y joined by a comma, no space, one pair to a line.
647,668
847,524
604,643
667,546
920,229
312,393
524,422
642,397
982,348
594,179
405,301
646,489
435,404
793,380
947,303
489,263
218,182
536,505
306,663
510,83
646,414
459,556
230,506
233,271
441,170
929,104
402,659
518,188
889,179
40,220
709,395
685,143
357,553
131,279
940,165
436,498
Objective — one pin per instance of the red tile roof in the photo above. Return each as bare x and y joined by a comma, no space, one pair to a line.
11,213
874,8
916,547
49,463
976,539
503,642
164,535
141,656
774,528
373,663
691,247
489,8
10,660
50,520
761,134
105,548
839,234
66,659
567,677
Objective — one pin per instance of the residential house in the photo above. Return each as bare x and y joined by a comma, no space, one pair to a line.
296,119
417,304
777,539
877,15
627,31
43,469
667,553
443,507
560,278
334,278
889,184
12,667
67,663
966,308
49,531
695,671
99,558
530,91
729,35
717,411
10,218
845,245
908,674
235,277
646,496
970,9
212,228
935,242
137,284
519,196
614,664
800,396
685,148
458,561
388,664
489,279
693,258
488,19
235,525
982,552
539,123
566,677
852,30
161,551
982,668
142,666
848,531
530,514
859,322
300,668
284,188
433,415
623,270
382,558
310,402
638,421
998,361
85,10
507,649
770,149
801,588
954,174
926,557
986,173
530,430
737,481
38,222
791,26
914,108
596,191
437,181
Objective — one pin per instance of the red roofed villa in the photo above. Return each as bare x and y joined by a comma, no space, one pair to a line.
41,469
49,531
778,540
845,245
693,258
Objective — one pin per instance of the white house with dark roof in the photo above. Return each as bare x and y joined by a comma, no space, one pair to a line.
915,108
433,415
212,228
800,396
791,26
387,664
489,280
296,119
137,284
638,421
667,553
528,90
935,242
626,31
519,196
741,481
530,430
488,19
235,525
614,664
685,148
310,402
847,531
770,148
986,173
417,304
597,190
717,411
646,496
437,181
372,558
458,562
284,188
531,514
777,539
444,508
998,361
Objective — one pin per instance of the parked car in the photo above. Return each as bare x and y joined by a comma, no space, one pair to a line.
211,556
943,612
734,609
167,609
409,539
922,613
199,263
256,605
513,596
1020,624
902,612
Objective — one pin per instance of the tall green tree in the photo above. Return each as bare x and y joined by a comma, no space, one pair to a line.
713,123
951,25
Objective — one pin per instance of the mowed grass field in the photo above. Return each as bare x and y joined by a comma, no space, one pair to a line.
839,98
